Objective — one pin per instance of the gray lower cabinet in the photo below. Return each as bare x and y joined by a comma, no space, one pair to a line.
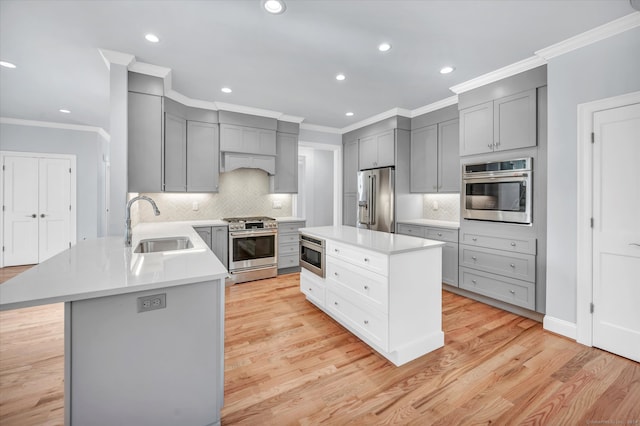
377,150
498,125
285,181
449,250
249,140
435,159
350,209
288,244
217,238
144,143
499,266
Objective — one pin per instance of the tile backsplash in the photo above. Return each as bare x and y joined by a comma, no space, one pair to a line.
442,207
243,192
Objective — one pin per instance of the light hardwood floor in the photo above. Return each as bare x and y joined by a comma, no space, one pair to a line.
287,363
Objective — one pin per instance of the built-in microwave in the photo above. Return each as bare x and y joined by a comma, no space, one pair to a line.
498,191
312,255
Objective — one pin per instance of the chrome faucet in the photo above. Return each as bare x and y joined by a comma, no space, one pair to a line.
127,237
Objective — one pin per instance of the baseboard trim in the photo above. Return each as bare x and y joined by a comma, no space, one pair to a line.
561,327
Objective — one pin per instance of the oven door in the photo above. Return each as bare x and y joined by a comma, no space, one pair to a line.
250,249
498,198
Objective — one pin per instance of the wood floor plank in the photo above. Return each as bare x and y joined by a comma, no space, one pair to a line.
287,363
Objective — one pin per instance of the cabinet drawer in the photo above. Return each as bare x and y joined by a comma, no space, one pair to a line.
514,265
288,238
288,249
370,260
370,326
289,227
313,287
441,234
288,261
516,292
363,286
516,244
413,230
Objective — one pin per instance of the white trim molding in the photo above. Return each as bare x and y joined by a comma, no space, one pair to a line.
378,117
559,326
317,128
112,57
584,255
592,36
66,126
451,100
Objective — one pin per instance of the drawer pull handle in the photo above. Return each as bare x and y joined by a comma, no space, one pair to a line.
513,244
366,259
512,265
474,258
336,274
512,291
474,239
474,281
336,250
366,287
335,303
366,322
310,289
439,234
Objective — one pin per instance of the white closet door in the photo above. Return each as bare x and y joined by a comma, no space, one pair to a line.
616,233
21,211
54,206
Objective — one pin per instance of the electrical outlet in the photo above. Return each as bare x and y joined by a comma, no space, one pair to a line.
276,204
153,302
195,206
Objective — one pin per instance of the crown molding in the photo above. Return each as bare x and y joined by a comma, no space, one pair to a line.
52,125
452,100
378,117
112,57
318,128
499,74
291,118
150,69
185,100
594,35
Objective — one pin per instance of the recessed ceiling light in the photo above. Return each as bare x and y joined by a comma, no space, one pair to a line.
7,64
226,90
152,38
275,7
384,47
349,114
65,111
340,77
446,70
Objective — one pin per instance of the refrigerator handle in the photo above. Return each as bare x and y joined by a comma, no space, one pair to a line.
372,200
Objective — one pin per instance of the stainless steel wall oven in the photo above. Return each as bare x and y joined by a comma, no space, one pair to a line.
499,191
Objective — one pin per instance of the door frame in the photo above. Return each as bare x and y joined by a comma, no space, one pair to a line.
584,273
73,197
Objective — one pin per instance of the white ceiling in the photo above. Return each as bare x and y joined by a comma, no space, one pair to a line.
285,63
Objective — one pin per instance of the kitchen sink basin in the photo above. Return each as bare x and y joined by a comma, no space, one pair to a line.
163,244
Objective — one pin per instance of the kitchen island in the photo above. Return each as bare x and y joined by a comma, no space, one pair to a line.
384,288
144,332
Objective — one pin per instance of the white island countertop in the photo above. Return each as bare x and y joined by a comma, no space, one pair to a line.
105,267
382,242
432,222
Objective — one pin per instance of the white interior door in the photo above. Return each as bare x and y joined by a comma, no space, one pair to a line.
616,233
54,214
20,243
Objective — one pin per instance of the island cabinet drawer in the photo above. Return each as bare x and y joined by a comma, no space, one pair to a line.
358,284
514,265
288,238
413,230
290,227
370,260
516,244
313,287
441,234
516,292
288,261
371,327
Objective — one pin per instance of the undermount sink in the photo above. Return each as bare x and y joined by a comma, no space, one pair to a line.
155,245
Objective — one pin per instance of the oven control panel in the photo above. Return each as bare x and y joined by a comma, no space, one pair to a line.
241,226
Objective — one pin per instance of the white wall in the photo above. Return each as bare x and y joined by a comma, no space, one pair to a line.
87,146
608,68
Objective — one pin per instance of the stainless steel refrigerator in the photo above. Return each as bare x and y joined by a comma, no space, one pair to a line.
376,192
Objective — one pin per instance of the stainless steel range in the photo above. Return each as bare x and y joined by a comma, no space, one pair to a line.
253,248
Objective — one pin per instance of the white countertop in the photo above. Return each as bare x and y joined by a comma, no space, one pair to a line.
382,242
290,219
432,222
105,267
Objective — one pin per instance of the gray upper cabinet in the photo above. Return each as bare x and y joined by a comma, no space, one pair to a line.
203,157
248,140
435,159
144,143
502,124
424,159
285,181
175,153
377,150
350,167
449,171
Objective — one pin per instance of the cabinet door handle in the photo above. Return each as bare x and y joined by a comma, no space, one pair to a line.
474,281
43,215
335,273
366,259
335,303
512,265
490,145
513,244
439,234
310,289
512,291
336,250
32,215
366,322
474,258
366,287
474,239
